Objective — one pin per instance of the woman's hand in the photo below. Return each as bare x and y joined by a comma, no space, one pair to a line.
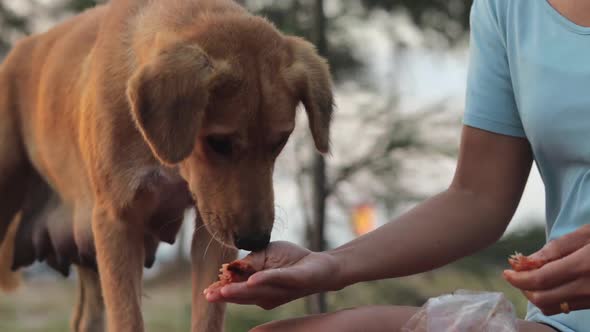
287,272
562,284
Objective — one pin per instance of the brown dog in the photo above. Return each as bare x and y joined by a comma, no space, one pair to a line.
111,120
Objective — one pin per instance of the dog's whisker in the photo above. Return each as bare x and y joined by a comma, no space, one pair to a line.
280,224
278,207
279,220
207,248
199,228
224,251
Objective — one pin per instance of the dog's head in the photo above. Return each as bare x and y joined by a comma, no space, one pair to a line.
221,106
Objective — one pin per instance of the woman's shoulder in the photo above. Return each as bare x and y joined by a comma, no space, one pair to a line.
501,9
498,9
504,14
490,15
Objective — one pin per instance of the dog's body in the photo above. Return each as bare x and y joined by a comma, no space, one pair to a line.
116,121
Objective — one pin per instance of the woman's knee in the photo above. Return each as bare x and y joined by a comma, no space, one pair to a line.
262,328
357,319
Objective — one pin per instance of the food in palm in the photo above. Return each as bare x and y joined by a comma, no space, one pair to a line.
236,271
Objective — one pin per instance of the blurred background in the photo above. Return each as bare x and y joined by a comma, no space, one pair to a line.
400,70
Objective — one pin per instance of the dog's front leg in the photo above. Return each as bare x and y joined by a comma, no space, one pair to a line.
207,256
120,255
89,310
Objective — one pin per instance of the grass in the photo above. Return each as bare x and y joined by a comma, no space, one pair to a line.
44,303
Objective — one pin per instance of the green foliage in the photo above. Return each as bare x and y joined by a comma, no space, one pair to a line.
294,17
10,24
81,5
448,17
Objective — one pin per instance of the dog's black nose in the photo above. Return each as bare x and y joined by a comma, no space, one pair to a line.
252,243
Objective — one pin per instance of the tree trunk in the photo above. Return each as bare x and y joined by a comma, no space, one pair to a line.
317,303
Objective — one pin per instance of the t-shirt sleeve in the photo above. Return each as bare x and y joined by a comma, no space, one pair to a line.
490,104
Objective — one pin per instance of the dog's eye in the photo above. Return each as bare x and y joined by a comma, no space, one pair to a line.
220,145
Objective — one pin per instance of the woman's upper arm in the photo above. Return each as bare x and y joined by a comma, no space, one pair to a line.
494,167
495,157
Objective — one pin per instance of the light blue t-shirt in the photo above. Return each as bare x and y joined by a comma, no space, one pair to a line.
529,76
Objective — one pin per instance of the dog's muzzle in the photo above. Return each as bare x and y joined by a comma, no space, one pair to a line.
252,243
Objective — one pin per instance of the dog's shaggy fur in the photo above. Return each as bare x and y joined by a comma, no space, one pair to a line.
116,121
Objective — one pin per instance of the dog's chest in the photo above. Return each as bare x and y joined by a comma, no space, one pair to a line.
170,197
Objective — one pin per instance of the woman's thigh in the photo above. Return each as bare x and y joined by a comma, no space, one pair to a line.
364,319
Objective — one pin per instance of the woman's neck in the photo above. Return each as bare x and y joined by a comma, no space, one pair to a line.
577,11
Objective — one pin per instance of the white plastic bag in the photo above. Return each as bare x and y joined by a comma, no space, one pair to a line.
465,311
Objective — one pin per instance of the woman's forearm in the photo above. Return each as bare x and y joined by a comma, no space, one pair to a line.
451,225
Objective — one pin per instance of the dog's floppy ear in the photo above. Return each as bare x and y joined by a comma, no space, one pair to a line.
309,76
168,96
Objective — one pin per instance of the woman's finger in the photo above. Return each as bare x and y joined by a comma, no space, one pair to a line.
550,275
237,289
264,282
217,294
551,300
264,305
260,292
564,245
258,295
280,276
566,307
213,296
